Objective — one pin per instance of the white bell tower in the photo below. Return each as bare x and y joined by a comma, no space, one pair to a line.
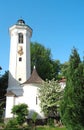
19,65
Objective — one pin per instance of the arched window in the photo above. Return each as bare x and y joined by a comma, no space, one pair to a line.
20,58
20,38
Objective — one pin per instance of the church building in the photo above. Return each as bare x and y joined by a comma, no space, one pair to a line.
22,85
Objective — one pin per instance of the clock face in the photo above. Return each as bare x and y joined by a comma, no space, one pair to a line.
20,50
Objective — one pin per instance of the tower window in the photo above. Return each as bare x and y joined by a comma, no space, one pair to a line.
36,100
20,58
19,79
20,37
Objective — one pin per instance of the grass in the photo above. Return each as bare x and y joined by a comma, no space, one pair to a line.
50,128
38,128
33,128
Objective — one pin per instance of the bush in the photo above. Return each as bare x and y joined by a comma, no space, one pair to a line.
12,123
21,112
50,122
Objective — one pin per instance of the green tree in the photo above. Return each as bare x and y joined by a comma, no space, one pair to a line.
3,87
50,94
41,58
72,105
21,112
63,69
3,84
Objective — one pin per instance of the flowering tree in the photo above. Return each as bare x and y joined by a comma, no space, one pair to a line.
50,94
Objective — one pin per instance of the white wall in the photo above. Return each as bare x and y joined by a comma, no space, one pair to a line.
30,97
9,105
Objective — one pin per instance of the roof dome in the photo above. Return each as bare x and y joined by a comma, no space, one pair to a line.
21,22
34,78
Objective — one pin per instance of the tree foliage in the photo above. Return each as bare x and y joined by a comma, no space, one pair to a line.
3,87
21,112
72,105
41,58
64,69
50,93
3,84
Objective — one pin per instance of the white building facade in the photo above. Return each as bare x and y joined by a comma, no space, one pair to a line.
22,86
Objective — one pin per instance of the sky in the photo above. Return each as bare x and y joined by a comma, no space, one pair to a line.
57,25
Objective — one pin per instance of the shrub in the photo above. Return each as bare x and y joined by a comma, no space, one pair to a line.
21,113
12,123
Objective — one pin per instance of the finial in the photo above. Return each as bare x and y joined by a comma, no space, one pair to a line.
21,21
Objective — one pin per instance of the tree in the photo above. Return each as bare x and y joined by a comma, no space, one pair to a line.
21,113
41,58
3,84
50,94
3,87
63,69
72,105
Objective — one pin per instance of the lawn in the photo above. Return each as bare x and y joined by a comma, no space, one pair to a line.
33,128
50,128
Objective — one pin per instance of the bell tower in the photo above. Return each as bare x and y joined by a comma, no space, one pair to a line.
19,64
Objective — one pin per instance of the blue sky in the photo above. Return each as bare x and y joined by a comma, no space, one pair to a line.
56,24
